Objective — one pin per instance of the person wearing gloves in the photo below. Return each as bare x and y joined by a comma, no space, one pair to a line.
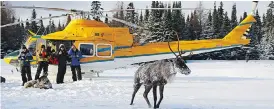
62,56
24,61
75,55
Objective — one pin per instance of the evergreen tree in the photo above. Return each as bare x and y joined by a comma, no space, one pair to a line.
155,25
195,25
225,28
188,31
141,19
241,19
53,27
59,28
168,24
121,14
215,21
63,27
106,19
68,20
220,20
131,16
96,10
207,32
27,25
34,26
146,15
177,23
267,43
245,15
42,27
234,21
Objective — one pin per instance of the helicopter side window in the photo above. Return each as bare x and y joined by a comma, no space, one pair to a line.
32,48
87,49
104,50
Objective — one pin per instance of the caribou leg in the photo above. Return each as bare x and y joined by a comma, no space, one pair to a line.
147,89
155,95
161,88
136,88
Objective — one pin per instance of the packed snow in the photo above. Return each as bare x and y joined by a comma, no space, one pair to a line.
211,85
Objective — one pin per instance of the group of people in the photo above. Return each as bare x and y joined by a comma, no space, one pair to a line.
43,56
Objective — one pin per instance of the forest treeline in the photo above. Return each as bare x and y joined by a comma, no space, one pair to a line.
160,24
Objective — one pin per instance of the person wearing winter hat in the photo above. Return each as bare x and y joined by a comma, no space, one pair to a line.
24,61
62,57
75,55
42,57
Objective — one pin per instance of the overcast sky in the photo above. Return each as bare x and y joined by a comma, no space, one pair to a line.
107,5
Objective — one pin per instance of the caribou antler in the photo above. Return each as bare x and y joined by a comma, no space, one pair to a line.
170,47
179,51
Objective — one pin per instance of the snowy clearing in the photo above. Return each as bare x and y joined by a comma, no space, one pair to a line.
211,85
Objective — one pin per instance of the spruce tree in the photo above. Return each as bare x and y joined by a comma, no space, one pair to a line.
244,15
267,43
59,28
28,26
141,19
168,24
106,19
215,21
220,19
155,25
96,10
146,15
225,28
234,21
42,27
177,22
208,31
68,20
188,31
34,26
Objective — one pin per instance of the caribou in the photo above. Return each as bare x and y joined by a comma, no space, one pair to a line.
158,73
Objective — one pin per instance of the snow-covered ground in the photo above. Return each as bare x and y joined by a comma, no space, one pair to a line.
212,85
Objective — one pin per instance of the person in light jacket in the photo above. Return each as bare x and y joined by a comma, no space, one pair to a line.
25,58
75,56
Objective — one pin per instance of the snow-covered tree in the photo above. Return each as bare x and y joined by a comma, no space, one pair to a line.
207,32
155,25
96,10
267,42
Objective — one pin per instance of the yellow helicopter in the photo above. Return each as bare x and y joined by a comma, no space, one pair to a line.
105,47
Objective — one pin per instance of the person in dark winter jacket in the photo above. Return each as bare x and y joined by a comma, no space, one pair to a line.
62,56
24,61
42,57
75,55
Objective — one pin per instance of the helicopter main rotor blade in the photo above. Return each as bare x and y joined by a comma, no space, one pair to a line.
45,8
15,23
113,10
122,21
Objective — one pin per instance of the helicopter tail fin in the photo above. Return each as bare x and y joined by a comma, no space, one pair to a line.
242,30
